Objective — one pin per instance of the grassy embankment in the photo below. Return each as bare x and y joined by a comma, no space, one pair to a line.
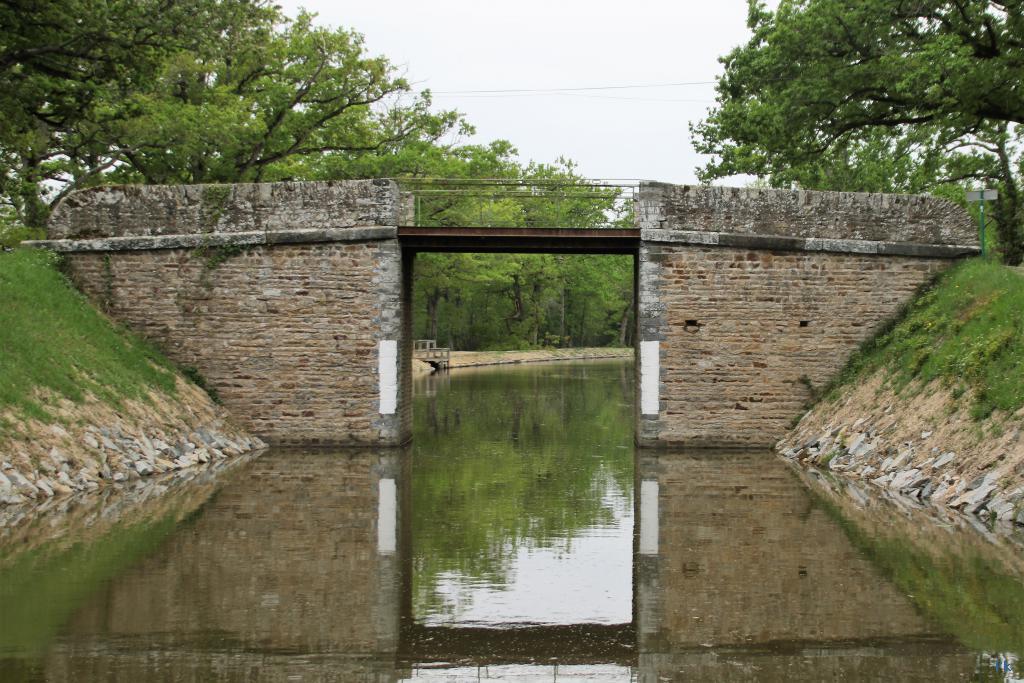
56,345
966,331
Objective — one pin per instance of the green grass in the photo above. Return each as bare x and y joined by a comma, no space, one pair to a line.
53,339
966,330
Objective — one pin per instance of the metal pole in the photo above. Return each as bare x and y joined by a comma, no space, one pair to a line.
981,196
982,204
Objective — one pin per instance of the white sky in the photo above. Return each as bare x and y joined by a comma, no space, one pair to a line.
459,45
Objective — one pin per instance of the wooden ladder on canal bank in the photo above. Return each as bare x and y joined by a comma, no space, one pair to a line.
428,351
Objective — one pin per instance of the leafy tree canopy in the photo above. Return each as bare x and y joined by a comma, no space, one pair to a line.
877,95
166,91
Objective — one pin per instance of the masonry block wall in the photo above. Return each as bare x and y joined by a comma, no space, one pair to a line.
287,297
748,299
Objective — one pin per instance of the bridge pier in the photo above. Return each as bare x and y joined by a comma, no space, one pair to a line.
748,300
294,299
291,299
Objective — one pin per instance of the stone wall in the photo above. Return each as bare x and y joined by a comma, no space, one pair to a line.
293,310
743,335
749,298
288,335
155,210
803,214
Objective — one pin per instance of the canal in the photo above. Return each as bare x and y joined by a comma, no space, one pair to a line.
521,537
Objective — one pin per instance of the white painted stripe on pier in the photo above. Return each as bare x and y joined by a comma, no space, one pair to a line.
649,377
387,369
387,517
649,517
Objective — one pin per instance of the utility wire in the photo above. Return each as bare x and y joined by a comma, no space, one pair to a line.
561,90
575,94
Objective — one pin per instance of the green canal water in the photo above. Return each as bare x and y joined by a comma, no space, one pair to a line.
521,537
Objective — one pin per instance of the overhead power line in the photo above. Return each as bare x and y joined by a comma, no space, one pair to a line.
577,94
510,91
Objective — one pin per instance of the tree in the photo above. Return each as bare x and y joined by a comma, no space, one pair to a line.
880,95
64,66
257,109
161,91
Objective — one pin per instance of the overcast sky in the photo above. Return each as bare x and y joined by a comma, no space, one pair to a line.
453,46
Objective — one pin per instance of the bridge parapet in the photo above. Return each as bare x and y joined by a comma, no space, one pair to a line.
804,220
166,210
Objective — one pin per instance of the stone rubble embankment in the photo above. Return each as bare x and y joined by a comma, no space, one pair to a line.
118,455
916,468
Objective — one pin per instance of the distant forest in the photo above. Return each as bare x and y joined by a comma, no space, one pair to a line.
519,301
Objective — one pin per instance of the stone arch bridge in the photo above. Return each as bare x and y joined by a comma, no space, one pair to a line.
293,299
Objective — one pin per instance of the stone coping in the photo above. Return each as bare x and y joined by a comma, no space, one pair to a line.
219,239
900,218
366,234
779,243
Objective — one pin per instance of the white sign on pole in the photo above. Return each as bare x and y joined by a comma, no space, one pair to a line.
982,195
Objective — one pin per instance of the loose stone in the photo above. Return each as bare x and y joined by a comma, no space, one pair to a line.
22,484
1001,508
43,485
974,499
904,479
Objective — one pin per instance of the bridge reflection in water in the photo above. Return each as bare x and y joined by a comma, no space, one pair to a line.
301,568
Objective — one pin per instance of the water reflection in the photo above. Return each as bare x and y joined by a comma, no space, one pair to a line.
282,571
522,491
425,564
746,578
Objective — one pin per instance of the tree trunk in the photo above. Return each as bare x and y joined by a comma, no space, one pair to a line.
561,327
432,298
517,301
536,317
1009,214
624,323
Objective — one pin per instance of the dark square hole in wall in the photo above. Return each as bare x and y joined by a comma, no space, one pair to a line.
805,323
692,323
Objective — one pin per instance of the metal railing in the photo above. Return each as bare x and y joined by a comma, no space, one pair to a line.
427,350
518,203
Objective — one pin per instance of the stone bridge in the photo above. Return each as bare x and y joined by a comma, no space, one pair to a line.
293,299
